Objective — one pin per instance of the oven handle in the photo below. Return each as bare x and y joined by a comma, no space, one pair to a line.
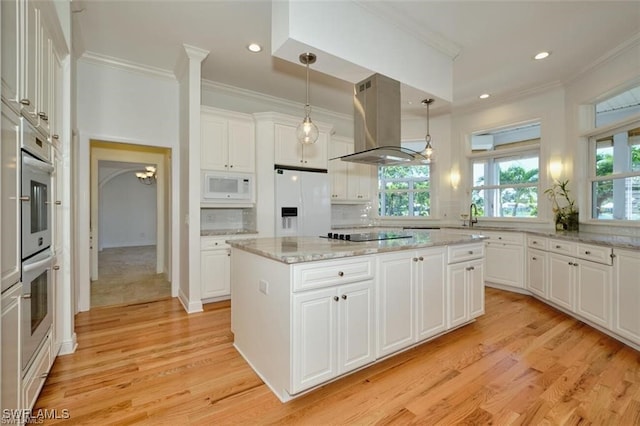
30,267
40,165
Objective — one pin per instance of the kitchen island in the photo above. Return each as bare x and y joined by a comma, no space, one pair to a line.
306,311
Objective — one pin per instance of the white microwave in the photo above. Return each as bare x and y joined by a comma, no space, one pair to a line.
227,187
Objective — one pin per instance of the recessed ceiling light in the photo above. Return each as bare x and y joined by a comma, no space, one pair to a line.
254,47
484,96
542,55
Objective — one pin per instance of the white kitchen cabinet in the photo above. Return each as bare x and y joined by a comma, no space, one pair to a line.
227,141
537,263
11,372
290,152
504,258
43,77
351,182
332,333
580,279
466,283
215,268
431,297
396,277
9,189
10,34
626,318
29,62
36,374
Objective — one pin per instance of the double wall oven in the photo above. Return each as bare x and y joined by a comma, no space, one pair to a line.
37,256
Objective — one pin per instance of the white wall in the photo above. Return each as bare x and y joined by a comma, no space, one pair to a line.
127,212
119,105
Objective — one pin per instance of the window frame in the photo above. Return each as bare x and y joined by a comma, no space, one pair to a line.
432,199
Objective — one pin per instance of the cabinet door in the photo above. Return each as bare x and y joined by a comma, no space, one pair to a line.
314,338
288,151
241,149
55,110
360,180
475,287
213,143
10,357
458,294
504,263
215,273
537,272
561,274
43,78
430,293
593,291
626,320
355,326
395,302
10,47
315,155
338,169
9,208
30,54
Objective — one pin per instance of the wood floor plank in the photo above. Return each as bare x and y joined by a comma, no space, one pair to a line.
522,363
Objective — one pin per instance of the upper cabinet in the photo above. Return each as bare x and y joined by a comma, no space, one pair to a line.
29,76
350,182
227,141
290,152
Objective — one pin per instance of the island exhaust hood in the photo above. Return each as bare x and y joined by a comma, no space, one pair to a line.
377,124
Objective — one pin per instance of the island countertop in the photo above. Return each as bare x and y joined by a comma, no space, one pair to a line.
308,249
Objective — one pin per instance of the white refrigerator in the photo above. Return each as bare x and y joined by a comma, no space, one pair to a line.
303,203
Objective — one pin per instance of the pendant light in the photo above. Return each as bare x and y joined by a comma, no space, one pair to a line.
307,131
428,149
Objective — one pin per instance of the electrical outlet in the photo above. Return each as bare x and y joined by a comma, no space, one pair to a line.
263,286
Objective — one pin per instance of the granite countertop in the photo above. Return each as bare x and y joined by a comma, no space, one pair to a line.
224,232
307,249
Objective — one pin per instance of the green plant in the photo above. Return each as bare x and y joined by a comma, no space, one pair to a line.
564,208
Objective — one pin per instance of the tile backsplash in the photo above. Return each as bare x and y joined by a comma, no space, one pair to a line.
227,219
352,215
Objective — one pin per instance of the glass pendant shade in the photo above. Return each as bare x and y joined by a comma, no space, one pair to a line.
427,153
307,131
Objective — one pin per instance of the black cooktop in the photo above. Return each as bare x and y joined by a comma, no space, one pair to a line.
366,236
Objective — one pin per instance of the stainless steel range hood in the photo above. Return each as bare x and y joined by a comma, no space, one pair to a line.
377,124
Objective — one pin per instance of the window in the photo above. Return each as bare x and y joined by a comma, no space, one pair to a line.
615,174
505,166
404,191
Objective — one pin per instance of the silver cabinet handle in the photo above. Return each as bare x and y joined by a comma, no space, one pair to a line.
55,136
25,198
56,268
341,274
25,101
43,115
26,296
336,298
344,297
58,203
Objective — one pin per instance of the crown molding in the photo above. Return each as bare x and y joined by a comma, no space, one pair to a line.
99,59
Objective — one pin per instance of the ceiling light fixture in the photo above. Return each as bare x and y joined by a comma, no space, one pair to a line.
254,47
541,55
428,149
148,176
484,96
307,131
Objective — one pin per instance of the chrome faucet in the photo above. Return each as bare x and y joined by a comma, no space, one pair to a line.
473,211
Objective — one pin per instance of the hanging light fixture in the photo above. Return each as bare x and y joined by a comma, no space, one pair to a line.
307,131
148,176
428,149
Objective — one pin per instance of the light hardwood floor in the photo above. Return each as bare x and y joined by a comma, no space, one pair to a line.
128,275
522,363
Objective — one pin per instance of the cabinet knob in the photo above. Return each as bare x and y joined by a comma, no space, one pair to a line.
499,238
570,263
58,203
575,264
470,268
336,298
56,268
421,258
25,102
25,198
341,274
231,166
470,251
534,242
415,259
344,297
557,246
534,258
43,115
587,252
55,137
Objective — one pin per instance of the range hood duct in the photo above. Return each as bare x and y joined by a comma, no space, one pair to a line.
377,123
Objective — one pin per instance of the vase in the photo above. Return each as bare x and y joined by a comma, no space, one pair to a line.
568,222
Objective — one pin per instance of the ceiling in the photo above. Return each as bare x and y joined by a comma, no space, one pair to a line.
494,41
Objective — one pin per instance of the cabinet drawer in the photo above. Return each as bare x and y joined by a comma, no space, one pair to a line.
598,254
505,237
540,243
311,275
562,247
37,374
213,243
465,252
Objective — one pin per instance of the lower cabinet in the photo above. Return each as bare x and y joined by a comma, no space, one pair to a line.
504,256
561,280
215,273
11,373
411,298
626,319
37,374
332,333
537,263
466,283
